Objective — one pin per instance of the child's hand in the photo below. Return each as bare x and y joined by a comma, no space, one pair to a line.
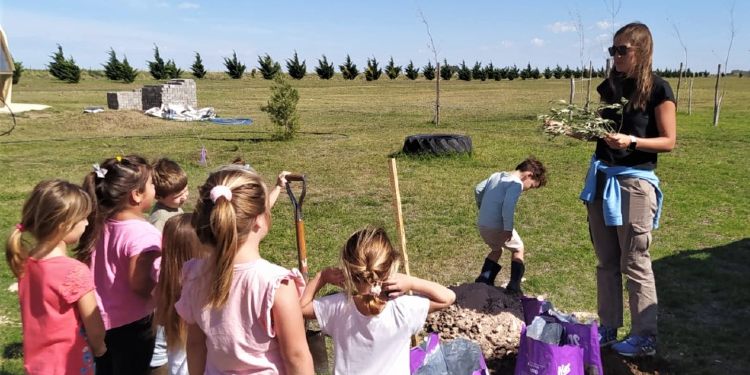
397,285
100,351
281,179
332,275
506,235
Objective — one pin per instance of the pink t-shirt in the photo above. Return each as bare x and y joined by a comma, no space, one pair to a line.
240,337
54,339
110,262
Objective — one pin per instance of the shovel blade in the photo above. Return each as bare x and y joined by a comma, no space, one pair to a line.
316,340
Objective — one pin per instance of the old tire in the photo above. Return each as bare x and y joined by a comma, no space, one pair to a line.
437,144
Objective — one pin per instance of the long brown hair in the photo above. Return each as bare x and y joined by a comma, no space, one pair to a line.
111,192
51,211
368,258
225,224
179,244
640,39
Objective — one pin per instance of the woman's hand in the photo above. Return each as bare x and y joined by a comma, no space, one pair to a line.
617,141
397,285
332,275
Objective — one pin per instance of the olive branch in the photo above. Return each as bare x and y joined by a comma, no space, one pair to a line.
579,122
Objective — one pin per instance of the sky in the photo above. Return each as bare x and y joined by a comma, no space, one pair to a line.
504,32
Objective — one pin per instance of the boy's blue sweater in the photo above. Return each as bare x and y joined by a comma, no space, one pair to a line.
496,198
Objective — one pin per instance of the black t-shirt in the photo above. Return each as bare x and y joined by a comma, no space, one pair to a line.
641,124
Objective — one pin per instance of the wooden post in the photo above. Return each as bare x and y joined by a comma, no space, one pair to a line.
690,95
399,214
677,95
609,61
717,98
572,89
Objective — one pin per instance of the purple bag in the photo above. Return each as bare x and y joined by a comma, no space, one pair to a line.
539,358
418,354
455,357
585,336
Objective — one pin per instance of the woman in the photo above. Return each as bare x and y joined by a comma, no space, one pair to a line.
622,192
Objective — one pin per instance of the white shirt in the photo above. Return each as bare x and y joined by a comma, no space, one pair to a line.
376,344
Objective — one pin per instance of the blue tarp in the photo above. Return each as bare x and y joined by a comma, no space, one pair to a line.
231,121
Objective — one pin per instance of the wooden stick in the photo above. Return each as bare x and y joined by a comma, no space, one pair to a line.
399,214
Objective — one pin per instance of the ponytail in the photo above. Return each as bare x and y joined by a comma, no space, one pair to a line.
224,227
16,252
85,245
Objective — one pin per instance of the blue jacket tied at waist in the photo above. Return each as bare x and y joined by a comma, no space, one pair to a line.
611,198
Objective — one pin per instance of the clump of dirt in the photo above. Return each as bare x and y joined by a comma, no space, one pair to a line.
484,314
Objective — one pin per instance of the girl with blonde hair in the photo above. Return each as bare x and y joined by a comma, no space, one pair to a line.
62,326
242,312
372,321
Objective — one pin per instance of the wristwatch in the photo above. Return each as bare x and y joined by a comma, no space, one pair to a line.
633,143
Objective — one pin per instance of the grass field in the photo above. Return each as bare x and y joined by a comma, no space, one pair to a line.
348,130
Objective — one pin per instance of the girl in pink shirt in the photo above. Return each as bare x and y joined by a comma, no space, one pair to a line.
123,251
62,327
242,312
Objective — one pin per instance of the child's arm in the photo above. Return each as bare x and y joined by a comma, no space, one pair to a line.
327,276
273,195
195,346
479,192
399,284
92,322
290,330
139,273
512,193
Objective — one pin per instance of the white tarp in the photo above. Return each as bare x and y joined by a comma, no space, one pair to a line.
179,112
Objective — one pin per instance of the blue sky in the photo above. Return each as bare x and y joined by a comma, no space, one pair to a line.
542,32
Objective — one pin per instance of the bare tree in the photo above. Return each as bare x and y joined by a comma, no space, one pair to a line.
431,46
613,8
719,97
679,80
581,49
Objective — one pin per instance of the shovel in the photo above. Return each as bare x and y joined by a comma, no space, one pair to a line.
315,339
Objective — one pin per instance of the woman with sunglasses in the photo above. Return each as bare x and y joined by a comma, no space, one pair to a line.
622,193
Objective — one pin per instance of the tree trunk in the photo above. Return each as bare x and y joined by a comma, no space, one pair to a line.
437,95
717,98
588,86
677,95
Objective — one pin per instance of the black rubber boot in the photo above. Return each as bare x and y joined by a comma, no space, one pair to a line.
517,270
490,270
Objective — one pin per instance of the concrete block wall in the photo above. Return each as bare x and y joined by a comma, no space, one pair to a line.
175,91
125,100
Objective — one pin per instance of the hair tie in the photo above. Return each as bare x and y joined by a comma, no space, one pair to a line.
118,158
220,191
20,227
100,172
375,290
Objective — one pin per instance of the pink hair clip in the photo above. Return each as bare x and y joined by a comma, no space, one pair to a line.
220,191
20,227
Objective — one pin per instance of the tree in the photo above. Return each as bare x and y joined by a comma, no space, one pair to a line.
349,69
489,71
512,72
557,72
198,70
64,69
113,67
392,70
547,73
296,69
411,72
268,68
282,107
235,68
428,71
157,68
372,72
567,73
500,73
464,73
128,74
446,71
171,70
535,73
478,72
526,72
17,71
324,69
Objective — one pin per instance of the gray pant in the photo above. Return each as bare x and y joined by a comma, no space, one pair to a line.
623,250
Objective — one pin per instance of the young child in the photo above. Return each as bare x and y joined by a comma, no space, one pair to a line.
171,184
496,199
123,251
242,312
372,322
179,245
62,326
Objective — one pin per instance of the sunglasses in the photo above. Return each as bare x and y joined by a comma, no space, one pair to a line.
620,50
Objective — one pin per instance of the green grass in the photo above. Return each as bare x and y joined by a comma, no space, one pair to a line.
348,131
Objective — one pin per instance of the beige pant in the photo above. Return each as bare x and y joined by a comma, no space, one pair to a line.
623,250
491,237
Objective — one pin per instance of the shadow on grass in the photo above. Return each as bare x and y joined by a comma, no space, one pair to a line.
704,308
13,350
